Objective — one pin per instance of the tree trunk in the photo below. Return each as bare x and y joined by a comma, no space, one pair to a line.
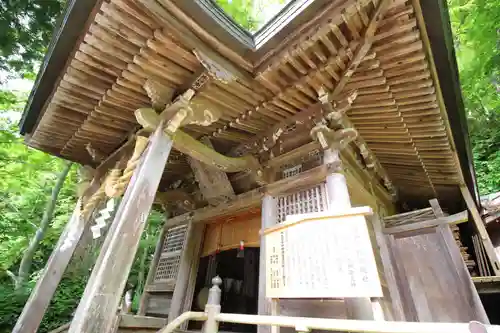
27,260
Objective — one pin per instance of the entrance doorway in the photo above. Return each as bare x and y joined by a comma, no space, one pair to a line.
239,271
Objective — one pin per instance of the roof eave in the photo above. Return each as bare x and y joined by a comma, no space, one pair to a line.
437,22
60,49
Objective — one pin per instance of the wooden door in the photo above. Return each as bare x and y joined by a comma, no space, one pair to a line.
434,282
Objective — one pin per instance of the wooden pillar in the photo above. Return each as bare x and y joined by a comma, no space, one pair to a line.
338,199
481,229
269,218
41,295
194,236
97,310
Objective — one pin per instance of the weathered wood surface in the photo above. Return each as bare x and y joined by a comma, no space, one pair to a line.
194,237
481,229
213,183
134,321
41,295
437,283
130,323
159,304
399,110
269,219
97,309
228,233
193,271
444,220
469,290
338,199
252,198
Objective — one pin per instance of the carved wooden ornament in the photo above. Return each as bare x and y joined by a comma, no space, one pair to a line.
214,69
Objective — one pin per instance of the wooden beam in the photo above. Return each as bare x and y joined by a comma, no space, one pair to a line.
253,197
41,295
98,307
445,220
363,48
137,322
481,229
389,269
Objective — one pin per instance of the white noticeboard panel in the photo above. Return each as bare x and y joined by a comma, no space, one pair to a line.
321,255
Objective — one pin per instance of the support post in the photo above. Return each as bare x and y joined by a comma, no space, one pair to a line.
212,309
41,295
269,218
338,199
194,236
98,307
481,229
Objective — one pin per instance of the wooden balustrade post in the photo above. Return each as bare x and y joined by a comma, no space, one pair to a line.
338,199
97,310
212,308
41,295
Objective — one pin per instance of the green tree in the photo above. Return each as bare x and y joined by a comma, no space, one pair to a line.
251,14
26,28
476,29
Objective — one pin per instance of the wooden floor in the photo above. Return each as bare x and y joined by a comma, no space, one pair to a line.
487,284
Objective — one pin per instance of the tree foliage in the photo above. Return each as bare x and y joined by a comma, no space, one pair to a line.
251,14
28,175
25,31
476,28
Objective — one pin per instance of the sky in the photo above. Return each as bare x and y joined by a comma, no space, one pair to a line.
16,84
21,85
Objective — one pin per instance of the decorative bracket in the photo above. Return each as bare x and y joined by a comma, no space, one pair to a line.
160,94
333,139
335,113
97,156
190,146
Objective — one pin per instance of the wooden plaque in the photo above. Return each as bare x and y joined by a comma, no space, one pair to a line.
321,255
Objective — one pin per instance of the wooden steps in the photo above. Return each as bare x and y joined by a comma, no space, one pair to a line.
469,262
487,284
129,324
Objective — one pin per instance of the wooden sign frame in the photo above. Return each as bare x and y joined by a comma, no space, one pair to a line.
321,255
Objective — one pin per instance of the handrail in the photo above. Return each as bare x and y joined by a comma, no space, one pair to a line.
190,315
305,324
212,317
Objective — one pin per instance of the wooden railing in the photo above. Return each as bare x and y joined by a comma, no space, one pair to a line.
212,317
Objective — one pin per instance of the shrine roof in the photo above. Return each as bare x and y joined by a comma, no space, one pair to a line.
408,109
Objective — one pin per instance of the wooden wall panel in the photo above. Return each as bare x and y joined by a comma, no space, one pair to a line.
437,291
227,235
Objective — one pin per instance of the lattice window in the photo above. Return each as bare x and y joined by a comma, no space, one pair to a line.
312,160
311,200
168,264
295,170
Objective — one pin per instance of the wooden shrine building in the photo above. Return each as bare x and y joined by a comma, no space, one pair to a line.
338,126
